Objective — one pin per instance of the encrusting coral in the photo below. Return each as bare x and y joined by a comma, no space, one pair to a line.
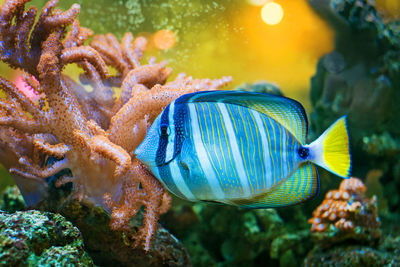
92,134
346,213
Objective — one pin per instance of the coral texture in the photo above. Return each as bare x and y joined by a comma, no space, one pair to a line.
34,238
346,213
91,133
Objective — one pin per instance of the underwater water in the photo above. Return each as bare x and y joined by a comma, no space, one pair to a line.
78,195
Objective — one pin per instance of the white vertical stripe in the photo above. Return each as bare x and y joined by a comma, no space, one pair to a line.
179,181
265,144
237,156
171,137
202,155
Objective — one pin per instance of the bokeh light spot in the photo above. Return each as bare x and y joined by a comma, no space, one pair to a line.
272,13
164,39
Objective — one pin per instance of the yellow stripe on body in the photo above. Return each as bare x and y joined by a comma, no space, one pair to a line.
270,150
253,171
264,153
203,155
294,122
222,178
259,187
213,137
229,153
206,112
246,168
282,152
285,194
275,142
235,149
227,142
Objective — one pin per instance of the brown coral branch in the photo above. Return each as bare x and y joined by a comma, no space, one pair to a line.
100,144
22,124
152,204
133,52
58,150
148,75
23,33
112,55
77,35
62,18
49,67
79,54
125,56
47,24
145,77
37,171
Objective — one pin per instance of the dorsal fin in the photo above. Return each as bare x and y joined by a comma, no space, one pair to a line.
288,112
301,186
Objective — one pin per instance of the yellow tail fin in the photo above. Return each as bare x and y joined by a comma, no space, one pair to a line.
332,150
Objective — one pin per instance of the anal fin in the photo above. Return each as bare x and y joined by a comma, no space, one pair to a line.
301,186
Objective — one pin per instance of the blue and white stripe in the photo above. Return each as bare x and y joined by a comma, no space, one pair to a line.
239,152
200,149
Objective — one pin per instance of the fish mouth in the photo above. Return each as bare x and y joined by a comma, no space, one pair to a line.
164,163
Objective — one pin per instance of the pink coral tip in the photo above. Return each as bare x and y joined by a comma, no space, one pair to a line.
25,88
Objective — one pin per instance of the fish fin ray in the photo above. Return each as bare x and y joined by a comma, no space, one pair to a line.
332,150
301,186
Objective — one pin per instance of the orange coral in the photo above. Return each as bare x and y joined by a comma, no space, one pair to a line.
93,134
346,213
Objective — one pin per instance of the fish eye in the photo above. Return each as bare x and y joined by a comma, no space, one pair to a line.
164,130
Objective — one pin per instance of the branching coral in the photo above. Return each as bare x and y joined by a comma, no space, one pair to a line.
346,214
93,134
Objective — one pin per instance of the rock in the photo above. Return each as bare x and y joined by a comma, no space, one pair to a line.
351,256
105,246
12,200
33,238
108,247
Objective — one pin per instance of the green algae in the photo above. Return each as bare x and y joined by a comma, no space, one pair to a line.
33,238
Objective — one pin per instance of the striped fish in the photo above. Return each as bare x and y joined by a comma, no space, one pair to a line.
241,148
